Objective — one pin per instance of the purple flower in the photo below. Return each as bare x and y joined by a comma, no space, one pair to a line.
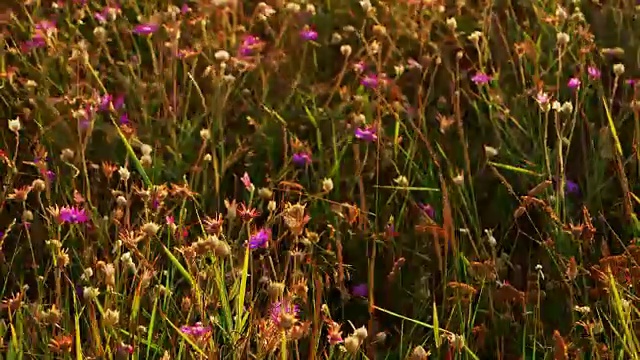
79,291
50,175
367,134
574,83
283,307
104,102
361,290
260,239
118,102
73,215
571,187
124,119
196,330
481,78
428,210
308,34
146,29
370,81
185,8
301,159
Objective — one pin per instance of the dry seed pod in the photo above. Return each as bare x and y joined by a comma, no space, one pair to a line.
538,189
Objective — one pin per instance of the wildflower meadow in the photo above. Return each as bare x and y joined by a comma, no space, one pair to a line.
319,179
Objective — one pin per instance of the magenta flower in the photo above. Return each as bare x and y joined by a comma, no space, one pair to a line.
481,78
145,29
370,81
283,307
367,134
37,41
104,102
309,34
301,159
260,239
50,175
574,83
594,72
73,215
196,330
124,119
249,44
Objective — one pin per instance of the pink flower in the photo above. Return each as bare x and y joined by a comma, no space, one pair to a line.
594,72
543,98
246,180
309,34
367,134
146,29
574,83
481,78
197,330
359,66
370,81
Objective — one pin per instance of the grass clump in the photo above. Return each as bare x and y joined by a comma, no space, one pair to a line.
319,180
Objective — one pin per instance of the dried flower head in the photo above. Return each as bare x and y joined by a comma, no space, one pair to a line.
150,228
295,218
20,194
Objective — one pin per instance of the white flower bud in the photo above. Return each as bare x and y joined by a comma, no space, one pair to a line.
14,125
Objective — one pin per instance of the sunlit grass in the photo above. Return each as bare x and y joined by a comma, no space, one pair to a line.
319,180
